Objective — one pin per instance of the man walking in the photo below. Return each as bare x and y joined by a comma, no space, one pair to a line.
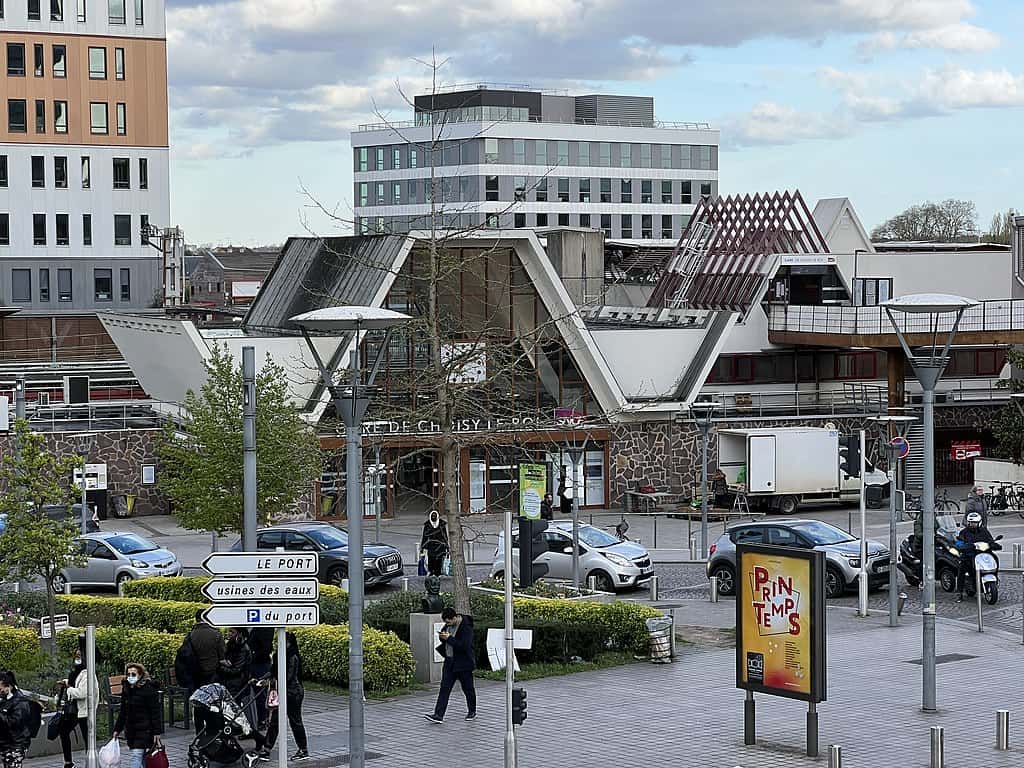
457,649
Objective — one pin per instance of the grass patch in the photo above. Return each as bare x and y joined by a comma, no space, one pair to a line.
557,669
337,690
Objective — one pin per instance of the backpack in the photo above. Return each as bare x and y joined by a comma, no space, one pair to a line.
185,663
35,718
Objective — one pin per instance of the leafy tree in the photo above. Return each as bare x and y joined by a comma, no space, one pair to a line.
947,221
1008,424
201,470
32,545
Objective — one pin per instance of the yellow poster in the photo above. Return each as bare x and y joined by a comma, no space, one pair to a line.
533,480
775,613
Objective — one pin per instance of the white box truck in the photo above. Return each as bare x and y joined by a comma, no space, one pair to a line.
778,468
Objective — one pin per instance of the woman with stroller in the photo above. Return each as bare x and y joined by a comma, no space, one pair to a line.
233,671
74,695
139,717
295,693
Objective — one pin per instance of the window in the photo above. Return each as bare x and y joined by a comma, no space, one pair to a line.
646,227
645,155
871,291
21,285
115,11
563,190
414,157
63,285
5,229
140,17
81,11
56,10
583,153
40,116
606,190
60,117
362,162
520,188
121,173
126,284
856,365
63,229
666,227
396,193
585,220
122,119
491,188
540,150
86,229
44,284
626,193
379,199
563,219
396,157
605,153
119,63
16,59
542,190
143,173
379,158
37,60
542,219
60,172
666,192
626,224
705,189
38,229
103,284
584,193
646,194
625,155
606,224
122,229
519,151
364,194
97,63
98,117
687,193
17,116
144,229
33,10
519,220
3,170
59,61
86,173
490,150
666,155
38,171
563,153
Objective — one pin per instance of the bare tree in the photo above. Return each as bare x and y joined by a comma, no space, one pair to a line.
948,221
1001,228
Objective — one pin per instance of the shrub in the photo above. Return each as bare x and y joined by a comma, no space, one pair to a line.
31,603
119,646
137,612
388,662
333,605
20,650
622,624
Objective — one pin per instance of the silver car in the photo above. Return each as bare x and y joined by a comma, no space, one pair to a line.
614,564
115,557
842,552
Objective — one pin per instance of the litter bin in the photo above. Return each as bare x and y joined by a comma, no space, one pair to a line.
659,633
875,496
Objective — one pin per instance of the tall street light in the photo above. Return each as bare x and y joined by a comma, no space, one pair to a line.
928,315
350,402
701,412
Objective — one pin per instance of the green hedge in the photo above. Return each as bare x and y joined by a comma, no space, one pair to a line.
119,646
19,649
622,624
138,612
333,600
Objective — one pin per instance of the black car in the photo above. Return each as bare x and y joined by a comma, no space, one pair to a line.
60,513
381,562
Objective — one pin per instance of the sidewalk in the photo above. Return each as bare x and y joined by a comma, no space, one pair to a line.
690,714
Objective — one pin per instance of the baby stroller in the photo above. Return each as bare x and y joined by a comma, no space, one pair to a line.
224,722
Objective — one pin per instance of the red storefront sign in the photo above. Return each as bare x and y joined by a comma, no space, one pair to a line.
962,450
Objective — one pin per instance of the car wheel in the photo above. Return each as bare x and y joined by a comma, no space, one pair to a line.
726,579
788,505
992,593
336,575
947,579
59,583
123,578
602,581
835,585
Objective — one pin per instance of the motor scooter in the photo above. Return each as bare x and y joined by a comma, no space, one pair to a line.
986,564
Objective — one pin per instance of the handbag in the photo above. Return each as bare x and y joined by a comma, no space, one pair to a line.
64,720
421,566
156,757
446,567
272,700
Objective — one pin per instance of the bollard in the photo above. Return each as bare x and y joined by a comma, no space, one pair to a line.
977,594
835,756
1017,555
655,531
344,585
672,642
938,747
901,603
714,589
693,547
592,583
405,583
120,588
67,587
1002,729
654,588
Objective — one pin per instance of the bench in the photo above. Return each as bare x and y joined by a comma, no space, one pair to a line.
173,692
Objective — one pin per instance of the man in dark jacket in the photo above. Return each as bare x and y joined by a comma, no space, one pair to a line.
15,720
457,649
233,672
261,643
207,648
973,533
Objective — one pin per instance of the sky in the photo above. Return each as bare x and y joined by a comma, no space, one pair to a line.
887,102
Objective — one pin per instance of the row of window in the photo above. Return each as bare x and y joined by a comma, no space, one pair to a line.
116,11
17,117
62,228
17,63
625,226
121,172
538,152
102,281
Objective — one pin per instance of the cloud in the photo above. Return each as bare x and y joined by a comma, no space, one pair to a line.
769,123
955,38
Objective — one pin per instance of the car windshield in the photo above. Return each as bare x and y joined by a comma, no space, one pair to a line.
328,537
130,544
596,538
821,534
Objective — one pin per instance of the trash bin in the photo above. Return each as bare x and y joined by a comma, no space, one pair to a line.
874,496
659,633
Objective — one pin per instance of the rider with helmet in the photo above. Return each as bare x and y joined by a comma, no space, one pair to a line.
974,532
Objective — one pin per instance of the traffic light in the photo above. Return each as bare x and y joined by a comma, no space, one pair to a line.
518,706
849,454
531,546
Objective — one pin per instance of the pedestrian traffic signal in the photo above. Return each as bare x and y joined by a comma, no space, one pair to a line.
531,546
518,706
849,455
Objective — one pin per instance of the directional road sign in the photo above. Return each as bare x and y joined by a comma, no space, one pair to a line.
901,445
247,590
269,615
262,563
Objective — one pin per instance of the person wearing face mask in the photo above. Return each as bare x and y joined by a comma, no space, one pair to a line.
74,693
15,722
233,671
139,716
434,542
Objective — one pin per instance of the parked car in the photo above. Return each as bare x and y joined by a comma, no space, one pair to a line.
614,564
58,513
381,562
842,552
115,557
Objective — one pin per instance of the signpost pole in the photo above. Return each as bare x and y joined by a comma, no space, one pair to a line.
92,695
575,455
749,720
862,579
510,731
893,554
248,448
282,697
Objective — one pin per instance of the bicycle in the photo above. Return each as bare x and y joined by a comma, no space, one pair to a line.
945,504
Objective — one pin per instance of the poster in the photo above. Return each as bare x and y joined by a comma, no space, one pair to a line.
533,482
780,621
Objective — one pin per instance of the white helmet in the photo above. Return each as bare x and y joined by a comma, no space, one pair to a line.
973,520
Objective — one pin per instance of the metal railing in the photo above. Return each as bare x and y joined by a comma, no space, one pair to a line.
87,417
854,398
669,125
991,315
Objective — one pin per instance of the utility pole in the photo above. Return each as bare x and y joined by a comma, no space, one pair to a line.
249,448
862,578
510,672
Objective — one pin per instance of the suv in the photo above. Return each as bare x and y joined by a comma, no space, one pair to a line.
842,552
381,562
614,564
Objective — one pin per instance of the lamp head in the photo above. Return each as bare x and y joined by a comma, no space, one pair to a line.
341,319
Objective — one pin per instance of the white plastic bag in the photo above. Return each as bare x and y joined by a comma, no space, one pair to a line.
110,755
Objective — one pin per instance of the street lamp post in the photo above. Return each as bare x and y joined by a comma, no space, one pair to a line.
928,365
893,427
350,402
701,411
